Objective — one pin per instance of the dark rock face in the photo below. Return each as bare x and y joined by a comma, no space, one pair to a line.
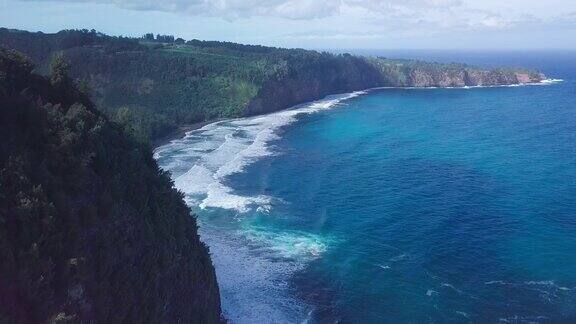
91,230
314,81
421,78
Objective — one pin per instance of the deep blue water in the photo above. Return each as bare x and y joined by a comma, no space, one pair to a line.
434,206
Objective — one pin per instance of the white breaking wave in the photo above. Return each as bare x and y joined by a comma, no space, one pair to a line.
548,81
253,264
201,161
294,245
253,287
540,83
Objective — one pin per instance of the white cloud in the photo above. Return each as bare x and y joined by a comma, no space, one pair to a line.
494,22
386,14
290,9
340,23
233,9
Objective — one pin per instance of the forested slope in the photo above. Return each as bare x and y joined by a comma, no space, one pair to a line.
91,229
158,83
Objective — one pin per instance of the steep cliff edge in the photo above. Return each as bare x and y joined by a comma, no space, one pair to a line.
91,229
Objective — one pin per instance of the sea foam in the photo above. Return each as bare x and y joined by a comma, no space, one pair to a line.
202,160
253,263
253,287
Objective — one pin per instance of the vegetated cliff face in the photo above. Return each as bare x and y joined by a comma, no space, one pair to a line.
309,80
91,229
161,86
357,73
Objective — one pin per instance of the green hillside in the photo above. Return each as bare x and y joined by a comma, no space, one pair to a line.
156,84
91,229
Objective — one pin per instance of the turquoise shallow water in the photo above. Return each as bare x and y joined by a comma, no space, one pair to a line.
436,205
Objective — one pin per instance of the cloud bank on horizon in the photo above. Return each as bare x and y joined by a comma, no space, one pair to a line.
327,23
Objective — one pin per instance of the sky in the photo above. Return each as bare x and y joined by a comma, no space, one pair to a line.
317,24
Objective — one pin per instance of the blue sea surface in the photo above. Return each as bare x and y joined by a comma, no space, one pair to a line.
395,205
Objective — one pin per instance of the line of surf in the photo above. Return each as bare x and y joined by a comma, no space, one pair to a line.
253,264
540,83
202,160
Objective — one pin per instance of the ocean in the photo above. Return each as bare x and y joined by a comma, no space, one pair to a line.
395,205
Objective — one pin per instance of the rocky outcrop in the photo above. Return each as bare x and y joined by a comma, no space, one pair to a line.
421,78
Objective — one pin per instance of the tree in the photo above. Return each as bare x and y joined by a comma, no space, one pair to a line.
165,38
59,71
84,87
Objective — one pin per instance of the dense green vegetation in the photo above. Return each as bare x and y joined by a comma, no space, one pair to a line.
157,83
91,229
